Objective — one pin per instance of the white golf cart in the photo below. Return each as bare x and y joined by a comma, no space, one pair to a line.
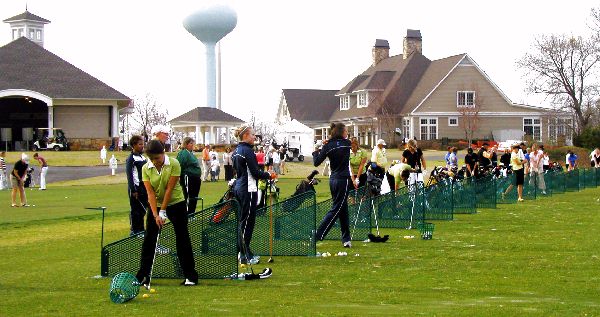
57,143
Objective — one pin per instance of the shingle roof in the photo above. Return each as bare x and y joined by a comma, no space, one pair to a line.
207,114
306,105
26,16
26,65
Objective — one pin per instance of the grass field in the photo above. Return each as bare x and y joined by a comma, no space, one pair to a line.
538,258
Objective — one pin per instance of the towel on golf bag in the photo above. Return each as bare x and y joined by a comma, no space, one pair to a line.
221,212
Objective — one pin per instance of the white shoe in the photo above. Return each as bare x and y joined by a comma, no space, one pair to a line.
347,244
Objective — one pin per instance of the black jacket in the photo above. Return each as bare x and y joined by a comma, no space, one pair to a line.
338,152
246,167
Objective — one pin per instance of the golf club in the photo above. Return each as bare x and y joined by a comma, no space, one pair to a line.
153,259
102,230
270,222
377,238
357,214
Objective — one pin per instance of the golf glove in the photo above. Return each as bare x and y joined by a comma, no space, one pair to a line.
357,181
163,215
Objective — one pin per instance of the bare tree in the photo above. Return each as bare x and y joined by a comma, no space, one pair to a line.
469,120
564,69
148,113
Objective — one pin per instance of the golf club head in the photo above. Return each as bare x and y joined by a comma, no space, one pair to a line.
374,238
270,260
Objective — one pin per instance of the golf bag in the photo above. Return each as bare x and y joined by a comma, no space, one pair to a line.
221,212
308,184
374,180
29,178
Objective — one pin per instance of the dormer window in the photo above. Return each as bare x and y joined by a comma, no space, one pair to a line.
344,102
362,100
465,98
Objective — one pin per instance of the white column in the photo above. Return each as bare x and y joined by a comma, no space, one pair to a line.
228,135
115,121
197,135
355,132
211,136
50,121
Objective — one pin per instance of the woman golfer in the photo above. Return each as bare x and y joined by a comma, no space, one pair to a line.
245,190
190,174
165,197
337,149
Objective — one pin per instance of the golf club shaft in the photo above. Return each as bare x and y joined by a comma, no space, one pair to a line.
356,218
270,220
375,214
154,258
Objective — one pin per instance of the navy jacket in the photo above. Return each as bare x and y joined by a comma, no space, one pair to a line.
338,152
133,169
246,167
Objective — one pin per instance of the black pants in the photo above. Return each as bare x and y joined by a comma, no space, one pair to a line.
391,181
247,220
228,172
138,210
191,187
177,214
339,194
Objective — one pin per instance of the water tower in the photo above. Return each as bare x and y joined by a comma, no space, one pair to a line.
210,25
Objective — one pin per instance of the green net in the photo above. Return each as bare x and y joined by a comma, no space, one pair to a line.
589,175
123,287
214,243
503,194
485,192
426,230
572,180
463,197
556,182
359,213
530,188
439,204
292,222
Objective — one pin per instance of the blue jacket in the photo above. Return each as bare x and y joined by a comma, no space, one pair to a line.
133,169
246,167
338,152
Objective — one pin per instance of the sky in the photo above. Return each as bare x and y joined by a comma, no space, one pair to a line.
141,47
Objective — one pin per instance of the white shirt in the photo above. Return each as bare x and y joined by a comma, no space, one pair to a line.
276,158
546,160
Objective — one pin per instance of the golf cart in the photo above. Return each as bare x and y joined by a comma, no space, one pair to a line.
56,143
293,149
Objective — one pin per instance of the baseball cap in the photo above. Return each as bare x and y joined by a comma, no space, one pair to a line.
381,141
160,128
25,158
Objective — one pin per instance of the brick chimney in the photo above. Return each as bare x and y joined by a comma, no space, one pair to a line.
412,42
381,51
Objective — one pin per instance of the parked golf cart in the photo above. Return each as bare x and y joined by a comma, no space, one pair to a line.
56,143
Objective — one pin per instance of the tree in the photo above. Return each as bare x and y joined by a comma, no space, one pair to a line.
469,120
564,68
147,113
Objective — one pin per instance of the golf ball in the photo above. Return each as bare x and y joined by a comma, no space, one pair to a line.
33,205
357,254
145,296
152,291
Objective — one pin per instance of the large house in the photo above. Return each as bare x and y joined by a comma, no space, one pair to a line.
39,92
409,95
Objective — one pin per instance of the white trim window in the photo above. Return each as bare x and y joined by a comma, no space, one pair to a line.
533,127
453,121
344,102
362,99
428,128
465,98
406,128
560,128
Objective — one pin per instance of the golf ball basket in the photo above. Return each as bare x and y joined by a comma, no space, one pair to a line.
426,230
124,287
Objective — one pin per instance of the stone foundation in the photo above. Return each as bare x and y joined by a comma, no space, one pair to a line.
89,144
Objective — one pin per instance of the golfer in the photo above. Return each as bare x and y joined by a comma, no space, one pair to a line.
43,171
358,159
138,198
165,197
190,174
17,180
245,190
337,149
517,162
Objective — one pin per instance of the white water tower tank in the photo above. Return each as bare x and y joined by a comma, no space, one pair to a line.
210,25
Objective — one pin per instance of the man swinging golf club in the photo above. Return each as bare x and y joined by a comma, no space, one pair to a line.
245,190
165,197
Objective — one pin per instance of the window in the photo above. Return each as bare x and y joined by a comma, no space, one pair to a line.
344,102
406,128
465,98
533,128
559,128
32,34
21,32
453,121
38,34
362,100
15,34
428,128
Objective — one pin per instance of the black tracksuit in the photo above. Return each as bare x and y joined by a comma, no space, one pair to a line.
245,191
338,152
133,169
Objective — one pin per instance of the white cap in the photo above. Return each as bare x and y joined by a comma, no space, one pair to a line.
381,141
25,158
160,128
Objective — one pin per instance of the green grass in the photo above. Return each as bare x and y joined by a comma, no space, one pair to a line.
538,258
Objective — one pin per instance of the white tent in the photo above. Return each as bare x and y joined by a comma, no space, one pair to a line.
297,134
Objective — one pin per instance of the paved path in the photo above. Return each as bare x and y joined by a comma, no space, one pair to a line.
64,173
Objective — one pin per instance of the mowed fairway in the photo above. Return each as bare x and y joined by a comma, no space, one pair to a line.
538,258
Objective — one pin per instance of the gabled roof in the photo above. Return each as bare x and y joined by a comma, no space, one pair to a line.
26,16
26,65
207,114
309,105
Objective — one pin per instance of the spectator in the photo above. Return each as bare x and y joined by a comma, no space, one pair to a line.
205,162
103,154
161,132
494,157
516,162
483,160
228,164
595,158
138,198
358,159
470,162
413,156
17,179
260,158
215,169
447,157
190,174
43,170
3,179
282,151
505,159
275,158
453,160
536,168
546,161
572,160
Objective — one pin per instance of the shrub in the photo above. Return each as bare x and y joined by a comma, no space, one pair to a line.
558,154
589,138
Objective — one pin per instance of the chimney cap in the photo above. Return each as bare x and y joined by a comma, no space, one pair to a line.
413,34
382,43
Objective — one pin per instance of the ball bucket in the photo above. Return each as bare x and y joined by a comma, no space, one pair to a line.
124,287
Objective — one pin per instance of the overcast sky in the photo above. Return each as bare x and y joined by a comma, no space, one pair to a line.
140,47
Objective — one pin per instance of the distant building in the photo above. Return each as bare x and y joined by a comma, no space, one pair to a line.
204,123
408,95
39,90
